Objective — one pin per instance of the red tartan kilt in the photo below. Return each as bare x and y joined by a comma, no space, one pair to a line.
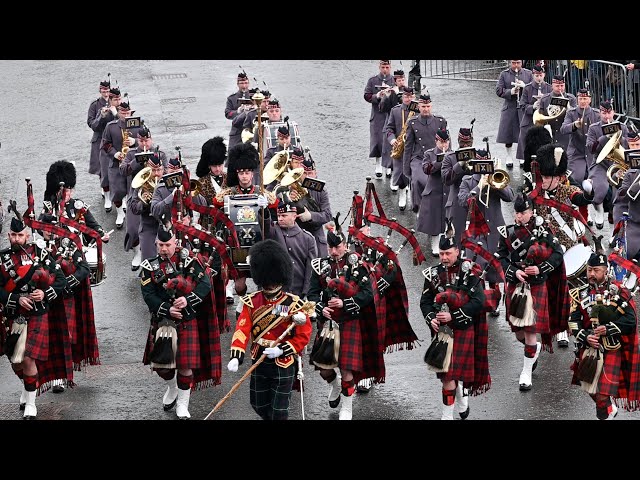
70,311
350,344
540,297
462,357
610,377
37,345
188,355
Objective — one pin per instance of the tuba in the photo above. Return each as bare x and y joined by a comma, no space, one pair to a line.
398,148
146,184
614,152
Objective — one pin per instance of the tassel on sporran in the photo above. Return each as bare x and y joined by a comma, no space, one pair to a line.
16,342
326,348
589,369
522,314
165,347
438,355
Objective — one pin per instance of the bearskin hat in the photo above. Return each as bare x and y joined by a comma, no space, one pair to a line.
243,156
270,264
553,160
60,171
536,137
214,152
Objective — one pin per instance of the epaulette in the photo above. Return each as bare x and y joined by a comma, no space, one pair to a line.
439,116
315,265
112,121
248,299
575,292
505,230
189,260
6,250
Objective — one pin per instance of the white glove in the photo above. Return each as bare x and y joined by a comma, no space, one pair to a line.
299,317
305,216
536,104
587,186
520,83
114,111
262,201
131,141
103,112
273,352
513,90
118,156
233,365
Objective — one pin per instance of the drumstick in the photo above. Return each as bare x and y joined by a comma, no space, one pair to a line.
109,232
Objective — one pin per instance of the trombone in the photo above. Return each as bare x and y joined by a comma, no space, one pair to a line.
498,180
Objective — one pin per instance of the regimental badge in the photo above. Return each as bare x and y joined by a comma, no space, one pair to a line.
26,260
192,270
441,289
169,269
12,273
41,244
24,288
47,262
245,215
352,259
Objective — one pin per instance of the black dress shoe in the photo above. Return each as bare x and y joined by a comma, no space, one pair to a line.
169,406
524,388
335,403
599,226
135,268
29,417
229,300
22,405
465,414
590,223
563,343
57,389
494,313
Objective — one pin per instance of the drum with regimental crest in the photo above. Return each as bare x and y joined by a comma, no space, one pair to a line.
575,264
243,211
97,276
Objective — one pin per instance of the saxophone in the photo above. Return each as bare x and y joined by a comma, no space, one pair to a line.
125,141
398,148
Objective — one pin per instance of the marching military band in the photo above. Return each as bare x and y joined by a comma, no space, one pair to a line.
258,211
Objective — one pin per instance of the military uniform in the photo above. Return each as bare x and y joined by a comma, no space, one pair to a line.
162,201
395,121
231,113
598,173
434,195
452,173
421,135
377,117
320,215
112,144
148,227
511,113
97,123
623,203
301,247
558,135
579,158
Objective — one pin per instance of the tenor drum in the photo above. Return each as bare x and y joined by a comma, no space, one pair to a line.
243,211
575,263
271,134
96,277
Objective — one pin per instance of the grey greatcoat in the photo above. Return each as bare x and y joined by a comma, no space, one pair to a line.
598,173
526,104
231,113
148,225
625,204
452,173
576,151
434,195
301,247
558,136
130,168
421,136
493,215
162,201
510,115
395,121
112,144
315,226
97,123
377,118
387,103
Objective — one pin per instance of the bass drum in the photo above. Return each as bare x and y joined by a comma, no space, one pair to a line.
575,264
243,211
96,276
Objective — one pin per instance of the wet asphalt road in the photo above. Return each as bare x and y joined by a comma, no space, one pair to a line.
45,105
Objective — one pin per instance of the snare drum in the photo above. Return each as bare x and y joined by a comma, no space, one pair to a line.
575,263
271,134
243,211
96,277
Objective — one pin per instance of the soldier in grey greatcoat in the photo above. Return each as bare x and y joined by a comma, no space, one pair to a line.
112,145
452,172
622,201
421,136
141,209
97,107
392,97
492,214
509,86
373,94
557,90
130,167
98,124
629,189
235,107
576,124
434,195
529,103
300,245
596,140
398,116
